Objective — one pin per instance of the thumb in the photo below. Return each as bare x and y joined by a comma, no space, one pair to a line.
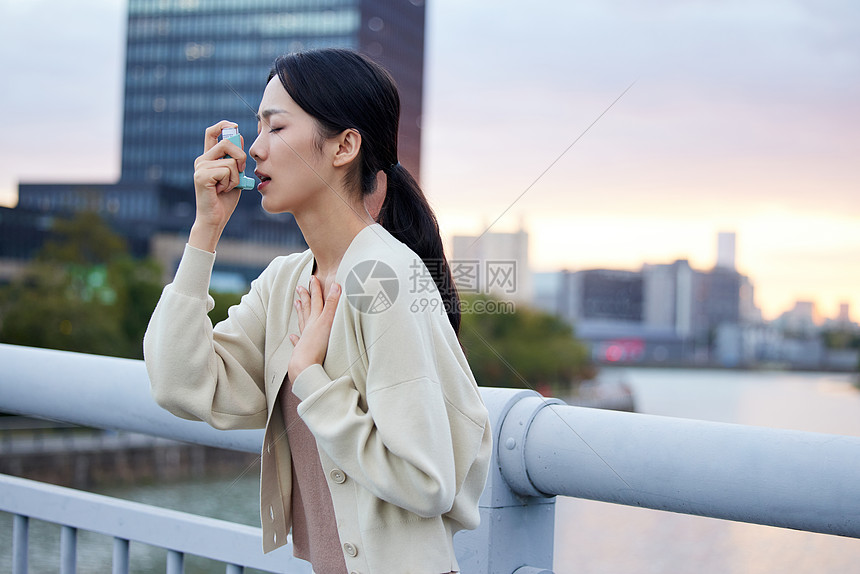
331,300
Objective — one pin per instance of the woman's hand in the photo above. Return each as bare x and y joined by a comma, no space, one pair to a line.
315,319
216,175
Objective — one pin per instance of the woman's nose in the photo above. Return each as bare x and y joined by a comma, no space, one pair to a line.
255,149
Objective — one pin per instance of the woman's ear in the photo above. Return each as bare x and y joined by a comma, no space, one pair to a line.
348,145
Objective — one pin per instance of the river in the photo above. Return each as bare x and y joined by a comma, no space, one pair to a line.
590,537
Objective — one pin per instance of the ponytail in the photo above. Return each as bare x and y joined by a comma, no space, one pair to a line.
407,216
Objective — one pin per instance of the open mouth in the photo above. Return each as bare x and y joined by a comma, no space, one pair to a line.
262,177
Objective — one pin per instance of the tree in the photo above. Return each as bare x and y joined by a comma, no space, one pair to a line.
83,292
223,302
527,348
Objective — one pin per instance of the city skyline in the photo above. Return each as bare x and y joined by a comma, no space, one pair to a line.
740,119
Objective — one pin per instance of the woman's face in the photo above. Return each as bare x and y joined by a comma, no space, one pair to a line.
290,167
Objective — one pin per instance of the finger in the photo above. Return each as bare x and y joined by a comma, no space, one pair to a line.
220,175
331,303
300,315
294,339
214,132
305,298
316,297
224,149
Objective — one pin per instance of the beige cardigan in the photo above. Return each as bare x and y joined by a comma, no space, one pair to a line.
401,431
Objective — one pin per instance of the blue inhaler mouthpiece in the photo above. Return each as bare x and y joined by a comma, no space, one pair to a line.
232,134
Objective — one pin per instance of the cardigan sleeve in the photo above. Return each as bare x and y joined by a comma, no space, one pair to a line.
411,444
199,372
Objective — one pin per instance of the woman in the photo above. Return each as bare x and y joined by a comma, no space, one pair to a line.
377,443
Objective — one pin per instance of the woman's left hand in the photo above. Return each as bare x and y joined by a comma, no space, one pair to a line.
315,320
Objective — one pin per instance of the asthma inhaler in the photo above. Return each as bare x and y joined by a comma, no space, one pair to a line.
232,134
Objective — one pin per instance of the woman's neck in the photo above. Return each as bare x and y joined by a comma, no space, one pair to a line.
328,237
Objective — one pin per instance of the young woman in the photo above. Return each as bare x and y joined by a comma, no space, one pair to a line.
377,443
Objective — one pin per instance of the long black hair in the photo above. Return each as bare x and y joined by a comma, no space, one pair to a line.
343,90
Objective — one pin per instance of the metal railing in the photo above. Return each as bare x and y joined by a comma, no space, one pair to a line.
236,545
791,479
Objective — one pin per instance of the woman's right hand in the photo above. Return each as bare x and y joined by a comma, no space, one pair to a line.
215,181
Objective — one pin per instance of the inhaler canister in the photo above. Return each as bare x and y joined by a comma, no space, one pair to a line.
232,134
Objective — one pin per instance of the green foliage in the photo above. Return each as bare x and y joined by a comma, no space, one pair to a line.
841,339
83,293
223,302
524,349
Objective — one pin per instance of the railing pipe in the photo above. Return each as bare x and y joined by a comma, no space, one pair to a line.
102,392
790,479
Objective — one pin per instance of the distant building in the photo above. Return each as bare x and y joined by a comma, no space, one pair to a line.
668,296
494,263
718,301
843,319
673,314
726,250
749,311
802,319
844,313
602,295
663,312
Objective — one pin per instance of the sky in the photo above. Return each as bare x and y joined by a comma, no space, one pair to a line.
738,116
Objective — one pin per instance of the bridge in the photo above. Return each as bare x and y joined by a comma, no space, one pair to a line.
543,449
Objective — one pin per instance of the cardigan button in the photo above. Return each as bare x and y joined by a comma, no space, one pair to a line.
338,476
350,549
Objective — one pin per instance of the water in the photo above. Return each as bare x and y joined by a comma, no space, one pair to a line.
590,537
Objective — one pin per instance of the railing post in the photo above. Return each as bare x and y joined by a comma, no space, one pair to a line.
175,562
517,529
68,550
20,532
120,556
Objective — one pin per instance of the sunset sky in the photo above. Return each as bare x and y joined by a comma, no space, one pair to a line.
743,116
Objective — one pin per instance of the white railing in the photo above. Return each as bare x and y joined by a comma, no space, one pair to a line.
799,480
236,545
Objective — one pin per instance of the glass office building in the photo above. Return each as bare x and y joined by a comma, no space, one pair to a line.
191,63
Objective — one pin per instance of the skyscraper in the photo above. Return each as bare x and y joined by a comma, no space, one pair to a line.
191,63
726,250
